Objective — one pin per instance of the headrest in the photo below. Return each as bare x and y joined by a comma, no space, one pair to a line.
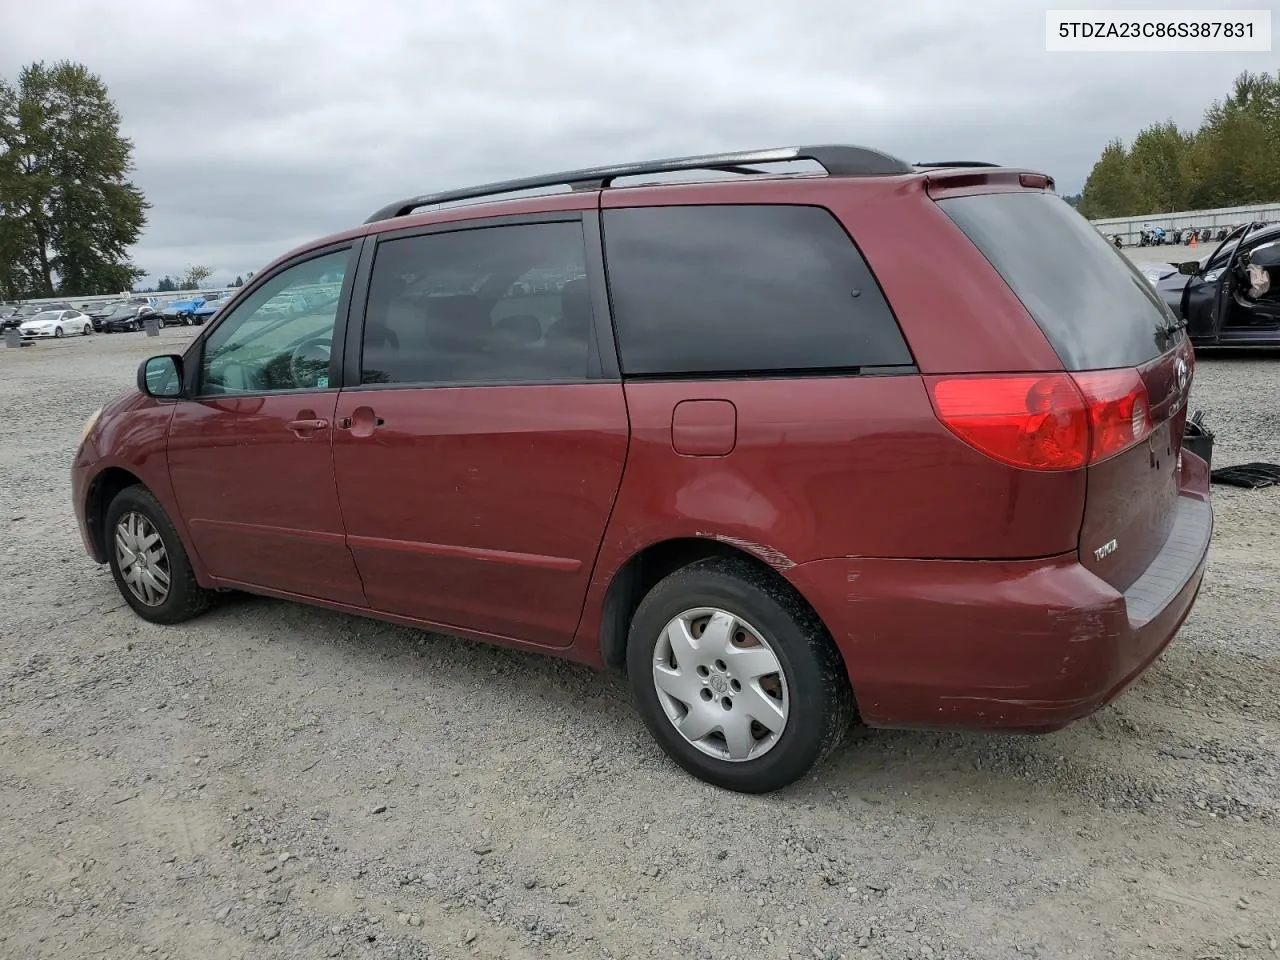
575,305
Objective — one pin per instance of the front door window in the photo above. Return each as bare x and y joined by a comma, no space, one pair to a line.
281,337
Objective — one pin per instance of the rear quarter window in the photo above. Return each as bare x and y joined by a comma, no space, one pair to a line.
1093,305
743,289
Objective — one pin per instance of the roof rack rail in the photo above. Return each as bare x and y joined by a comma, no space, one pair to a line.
837,160
959,163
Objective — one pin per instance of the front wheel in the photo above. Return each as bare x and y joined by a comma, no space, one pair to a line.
736,679
86,331
148,562
57,332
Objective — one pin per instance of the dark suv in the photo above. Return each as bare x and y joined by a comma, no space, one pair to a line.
895,440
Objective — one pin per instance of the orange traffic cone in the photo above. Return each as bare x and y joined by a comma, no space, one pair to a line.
1193,240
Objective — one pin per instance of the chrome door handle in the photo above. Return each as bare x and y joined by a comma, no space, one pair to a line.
362,422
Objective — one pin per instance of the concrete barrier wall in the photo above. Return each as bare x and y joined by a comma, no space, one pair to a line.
1130,227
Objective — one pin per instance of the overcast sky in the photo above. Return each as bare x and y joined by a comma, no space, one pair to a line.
259,125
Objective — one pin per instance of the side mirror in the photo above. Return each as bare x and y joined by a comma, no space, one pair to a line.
161,376
1189,267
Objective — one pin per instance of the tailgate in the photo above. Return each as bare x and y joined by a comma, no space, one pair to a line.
1108,326
1131,498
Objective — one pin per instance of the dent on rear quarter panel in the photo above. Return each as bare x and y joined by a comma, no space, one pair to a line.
832,467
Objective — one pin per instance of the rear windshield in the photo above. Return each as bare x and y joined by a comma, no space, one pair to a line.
1093,304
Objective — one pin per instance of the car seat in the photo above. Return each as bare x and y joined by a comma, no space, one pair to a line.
571,339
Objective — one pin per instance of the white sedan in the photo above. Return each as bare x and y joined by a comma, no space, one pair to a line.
56,323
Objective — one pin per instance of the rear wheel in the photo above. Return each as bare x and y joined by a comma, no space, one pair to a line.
148,562
736,678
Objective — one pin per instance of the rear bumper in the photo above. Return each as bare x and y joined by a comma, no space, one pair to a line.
1013,645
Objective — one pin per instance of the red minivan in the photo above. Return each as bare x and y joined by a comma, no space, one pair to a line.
900,441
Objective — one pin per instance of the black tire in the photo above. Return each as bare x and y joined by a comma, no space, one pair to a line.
821,701
57,332
87,330
186,598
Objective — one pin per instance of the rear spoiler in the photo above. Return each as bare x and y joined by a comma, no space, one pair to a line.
961,178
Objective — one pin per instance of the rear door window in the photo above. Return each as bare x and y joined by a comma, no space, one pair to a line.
744,289
496,304
1094,306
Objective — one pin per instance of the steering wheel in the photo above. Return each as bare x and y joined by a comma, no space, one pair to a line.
309,361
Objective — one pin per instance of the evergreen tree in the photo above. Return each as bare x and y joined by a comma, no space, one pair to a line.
68,213
1112,189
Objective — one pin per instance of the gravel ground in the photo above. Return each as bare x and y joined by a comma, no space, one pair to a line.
277,781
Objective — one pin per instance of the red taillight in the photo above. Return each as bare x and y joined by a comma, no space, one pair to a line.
1038,422
1054,421
1118,412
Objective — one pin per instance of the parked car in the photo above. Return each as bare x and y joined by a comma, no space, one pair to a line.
206,310
56,323
125,318
742,454
179,311
28,310
1210,295
98,312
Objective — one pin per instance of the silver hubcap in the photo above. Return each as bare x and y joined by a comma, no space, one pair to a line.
720,684
143,562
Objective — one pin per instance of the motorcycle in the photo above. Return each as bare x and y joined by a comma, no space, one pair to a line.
1118,241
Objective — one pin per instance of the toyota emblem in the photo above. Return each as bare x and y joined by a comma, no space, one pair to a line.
1183,373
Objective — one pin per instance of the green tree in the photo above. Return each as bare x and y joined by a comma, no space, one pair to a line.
1111,189
68,213
1155,161
166,285
1237,143
1228,161
239,281
195,276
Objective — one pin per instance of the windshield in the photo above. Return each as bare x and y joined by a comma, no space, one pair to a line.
1094,306
46,316
121,312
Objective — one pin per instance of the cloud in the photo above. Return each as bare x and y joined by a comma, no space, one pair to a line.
260,125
